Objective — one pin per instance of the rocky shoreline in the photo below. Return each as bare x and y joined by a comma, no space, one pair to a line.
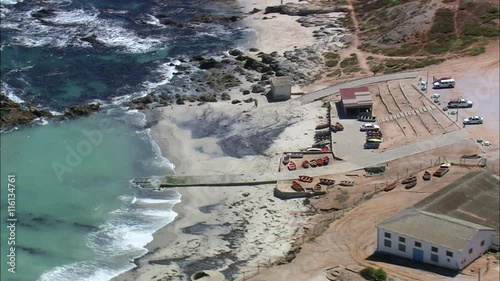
14,114
200,79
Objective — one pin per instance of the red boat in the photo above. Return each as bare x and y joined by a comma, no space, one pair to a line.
305,178
322,126
339,126
305,164
292,166
390,186
319,161
296,186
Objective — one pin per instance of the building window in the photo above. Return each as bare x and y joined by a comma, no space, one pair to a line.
470,251
434,258
418,244
387,235
387,243
482,243
434,249
402,239
402,247
449,254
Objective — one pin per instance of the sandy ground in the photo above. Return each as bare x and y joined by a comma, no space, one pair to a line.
228,229
478,79
351,240
213,223
277,32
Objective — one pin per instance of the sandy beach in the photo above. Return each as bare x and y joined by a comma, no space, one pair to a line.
231,229
240,230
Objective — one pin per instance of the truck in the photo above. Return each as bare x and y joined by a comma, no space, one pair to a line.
460,103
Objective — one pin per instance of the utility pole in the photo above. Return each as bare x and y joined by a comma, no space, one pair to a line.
427,82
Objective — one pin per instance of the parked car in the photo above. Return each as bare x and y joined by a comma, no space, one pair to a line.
473,120
369,127
444,83
371,145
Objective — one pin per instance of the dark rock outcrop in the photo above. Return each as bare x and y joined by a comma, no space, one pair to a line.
12,114
214,19
293,9
258,89
82,110
209,63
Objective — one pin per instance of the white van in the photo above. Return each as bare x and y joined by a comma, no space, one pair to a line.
444,83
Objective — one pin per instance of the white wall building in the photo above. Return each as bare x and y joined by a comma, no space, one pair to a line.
434,239
281,88
450,228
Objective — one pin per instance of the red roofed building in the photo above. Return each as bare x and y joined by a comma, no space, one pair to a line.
356,101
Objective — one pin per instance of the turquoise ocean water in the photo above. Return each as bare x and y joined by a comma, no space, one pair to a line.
79,217
77,213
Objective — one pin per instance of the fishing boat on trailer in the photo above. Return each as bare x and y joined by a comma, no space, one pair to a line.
326,181
322,126
319,161
346,183
286,159
305,178
409,180
410,185
440,172
326,160
390,186
292,166
296,186
339,126
305,164
426,176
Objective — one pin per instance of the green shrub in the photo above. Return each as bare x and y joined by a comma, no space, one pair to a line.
480,31
331,55
350,61
443,23
370,273
331,63
477,51
380,275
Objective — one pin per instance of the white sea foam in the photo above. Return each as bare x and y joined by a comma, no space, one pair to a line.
10,2
117,241
84,271
41,121
153,21
66,27
165,72
73,17
9,91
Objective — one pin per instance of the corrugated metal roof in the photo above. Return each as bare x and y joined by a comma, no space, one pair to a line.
437,229
452,216
353,97
473,198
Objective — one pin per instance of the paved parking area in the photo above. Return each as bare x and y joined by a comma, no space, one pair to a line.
349,143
